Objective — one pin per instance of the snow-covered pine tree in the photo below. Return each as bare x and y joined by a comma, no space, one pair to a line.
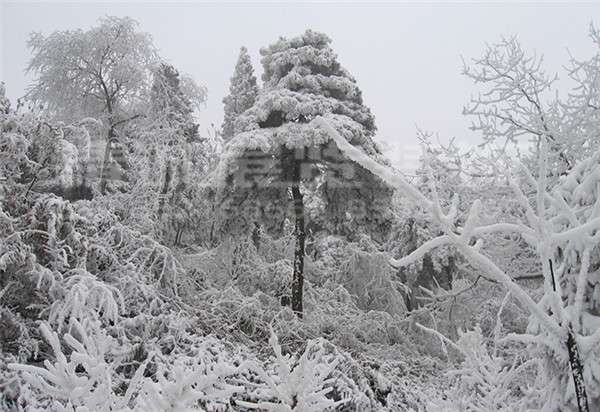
279,154
242,93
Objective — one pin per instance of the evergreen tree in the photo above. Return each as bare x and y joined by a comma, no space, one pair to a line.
279,153
242,93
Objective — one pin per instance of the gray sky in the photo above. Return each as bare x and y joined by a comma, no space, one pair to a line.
406,57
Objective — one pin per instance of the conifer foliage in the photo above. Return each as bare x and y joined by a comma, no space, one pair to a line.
242,93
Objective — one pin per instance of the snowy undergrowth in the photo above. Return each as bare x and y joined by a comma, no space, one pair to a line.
84,376
124,327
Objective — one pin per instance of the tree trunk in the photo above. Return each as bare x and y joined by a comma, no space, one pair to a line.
300,234
577,371
106,160
179,234
256,236
164,191
574,360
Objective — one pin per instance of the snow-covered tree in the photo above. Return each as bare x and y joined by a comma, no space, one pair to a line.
170,105
172,127
103,73
278,153
242,93
561,224
561,173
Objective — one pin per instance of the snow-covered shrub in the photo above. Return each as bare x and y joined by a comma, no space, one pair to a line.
300,385
85,377
41,153
15,336
486,380
229,313
323,377
237,261
81,381
379,327
16,394
85,297
362,270
186,386
368,276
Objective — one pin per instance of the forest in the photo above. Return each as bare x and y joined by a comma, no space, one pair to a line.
279,262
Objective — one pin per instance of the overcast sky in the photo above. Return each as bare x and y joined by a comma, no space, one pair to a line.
406,57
